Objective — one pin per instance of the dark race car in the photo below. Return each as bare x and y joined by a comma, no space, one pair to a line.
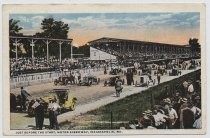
115,71
89,80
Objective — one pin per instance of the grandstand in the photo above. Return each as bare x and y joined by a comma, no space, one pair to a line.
132,49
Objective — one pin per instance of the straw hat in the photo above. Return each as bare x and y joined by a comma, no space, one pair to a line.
197,98
146,112
184,100
185,83
168,101
177,93
149,111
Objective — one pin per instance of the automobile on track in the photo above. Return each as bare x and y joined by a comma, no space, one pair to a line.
89,80
62,96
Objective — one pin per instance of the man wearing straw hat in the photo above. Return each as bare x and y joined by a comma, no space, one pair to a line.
53,113
39,114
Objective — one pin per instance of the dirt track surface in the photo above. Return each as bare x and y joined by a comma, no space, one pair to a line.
84,94
89,97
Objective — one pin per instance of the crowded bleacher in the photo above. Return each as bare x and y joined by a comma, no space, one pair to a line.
40,65
181,111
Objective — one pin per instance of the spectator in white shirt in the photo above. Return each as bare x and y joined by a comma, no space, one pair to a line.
190,89
53,113
172,116
159,119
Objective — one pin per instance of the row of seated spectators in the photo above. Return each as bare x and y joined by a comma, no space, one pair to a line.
26,66
181,111
134,54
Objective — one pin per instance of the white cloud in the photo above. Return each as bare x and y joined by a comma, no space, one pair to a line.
158,17
22,18
193,18
89,22
36,21
124,22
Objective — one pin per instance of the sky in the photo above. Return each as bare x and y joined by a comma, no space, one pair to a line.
172,28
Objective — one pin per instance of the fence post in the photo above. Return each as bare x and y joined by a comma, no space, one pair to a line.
111,119
152,101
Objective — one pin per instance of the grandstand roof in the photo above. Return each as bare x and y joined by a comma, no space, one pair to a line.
115,40
39,38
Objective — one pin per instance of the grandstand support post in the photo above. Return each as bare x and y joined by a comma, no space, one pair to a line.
32,44
47,51
16,49
47,43
60,43
71,50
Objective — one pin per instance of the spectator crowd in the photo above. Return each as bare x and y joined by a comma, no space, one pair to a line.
180,111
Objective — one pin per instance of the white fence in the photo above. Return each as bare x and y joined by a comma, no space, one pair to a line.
46,77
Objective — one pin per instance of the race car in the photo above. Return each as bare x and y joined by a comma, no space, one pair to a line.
89,80
62,96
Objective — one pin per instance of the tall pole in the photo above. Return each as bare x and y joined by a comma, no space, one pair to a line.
16,49
60,43
47,51
47,43
71,51
32,46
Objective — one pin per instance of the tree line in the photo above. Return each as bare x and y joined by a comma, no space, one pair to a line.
50,28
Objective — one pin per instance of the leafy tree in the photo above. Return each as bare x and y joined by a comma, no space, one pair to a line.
14,29
195,46
53,29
